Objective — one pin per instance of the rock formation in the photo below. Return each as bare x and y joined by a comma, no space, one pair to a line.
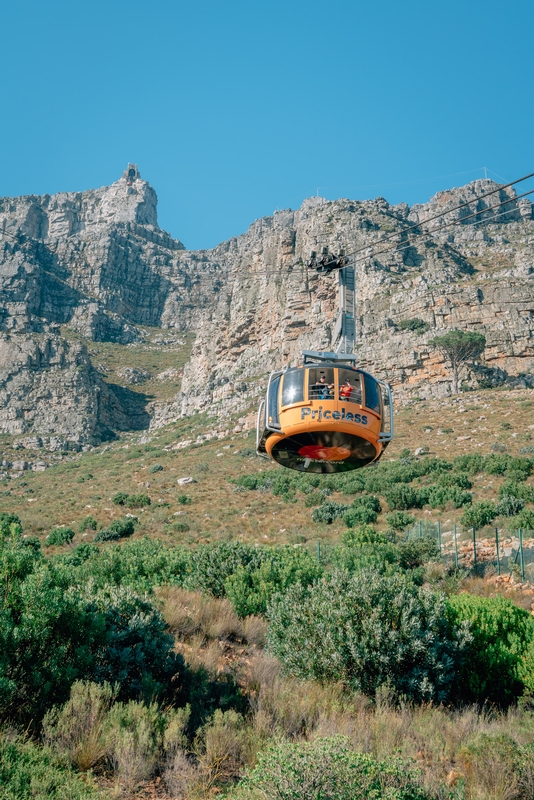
97,263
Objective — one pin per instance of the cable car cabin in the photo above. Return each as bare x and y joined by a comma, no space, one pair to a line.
325,416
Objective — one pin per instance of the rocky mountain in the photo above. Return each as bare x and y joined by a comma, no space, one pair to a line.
95,264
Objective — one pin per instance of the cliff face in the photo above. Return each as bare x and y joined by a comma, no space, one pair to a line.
98,263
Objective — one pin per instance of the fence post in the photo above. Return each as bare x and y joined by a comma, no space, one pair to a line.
455,546
497,549
439,536
474,547
420,529
521,559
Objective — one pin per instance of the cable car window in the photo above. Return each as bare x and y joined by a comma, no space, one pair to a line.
273,416
350,387
321,384
293,387
372,393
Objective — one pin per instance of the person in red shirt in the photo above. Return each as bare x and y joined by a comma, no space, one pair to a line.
345,390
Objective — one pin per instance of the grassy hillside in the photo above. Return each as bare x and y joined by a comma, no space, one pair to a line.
211,508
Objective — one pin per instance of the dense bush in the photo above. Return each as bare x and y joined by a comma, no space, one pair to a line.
60,536
416,552
525,520
250,590
53,631
328,512
118,529
137,500
511,488
479,514
509,506
471,463
360,515
140,564
399,520
456,478
366,630
415,325
364,548
492,663
401,497
327,769
155,468
88,523
120,498
29,771
211,565
106,535
439,496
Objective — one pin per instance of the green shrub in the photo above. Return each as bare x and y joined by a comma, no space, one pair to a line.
513,488
327,769
134,736
59,536
402,497
120,498
10,526
328,512
28,771
399,520
58,626
472,463
501,634
248,481
479,514
366,630
180,526
416,552
456,478
212,564
525,520
416,325
184,499
504,464
361,515
137,500
509,506
313,499
133,647
88,523
365,548
368,501
250,590
106,535
440,496
155,468
117,529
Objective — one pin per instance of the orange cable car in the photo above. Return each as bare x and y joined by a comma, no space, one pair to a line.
325,416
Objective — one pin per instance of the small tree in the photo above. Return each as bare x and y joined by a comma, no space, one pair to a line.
459,347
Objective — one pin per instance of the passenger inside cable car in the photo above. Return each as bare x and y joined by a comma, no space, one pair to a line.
321,390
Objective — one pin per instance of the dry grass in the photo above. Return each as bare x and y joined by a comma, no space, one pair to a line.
191,613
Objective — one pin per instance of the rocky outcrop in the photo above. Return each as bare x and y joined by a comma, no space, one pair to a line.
97,263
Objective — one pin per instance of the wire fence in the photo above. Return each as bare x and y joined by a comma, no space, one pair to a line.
506,552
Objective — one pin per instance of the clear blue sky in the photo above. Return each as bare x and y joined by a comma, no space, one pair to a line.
235,108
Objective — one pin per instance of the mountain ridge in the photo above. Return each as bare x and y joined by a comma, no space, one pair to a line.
97,264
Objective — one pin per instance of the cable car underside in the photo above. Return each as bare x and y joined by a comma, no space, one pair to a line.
325,416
